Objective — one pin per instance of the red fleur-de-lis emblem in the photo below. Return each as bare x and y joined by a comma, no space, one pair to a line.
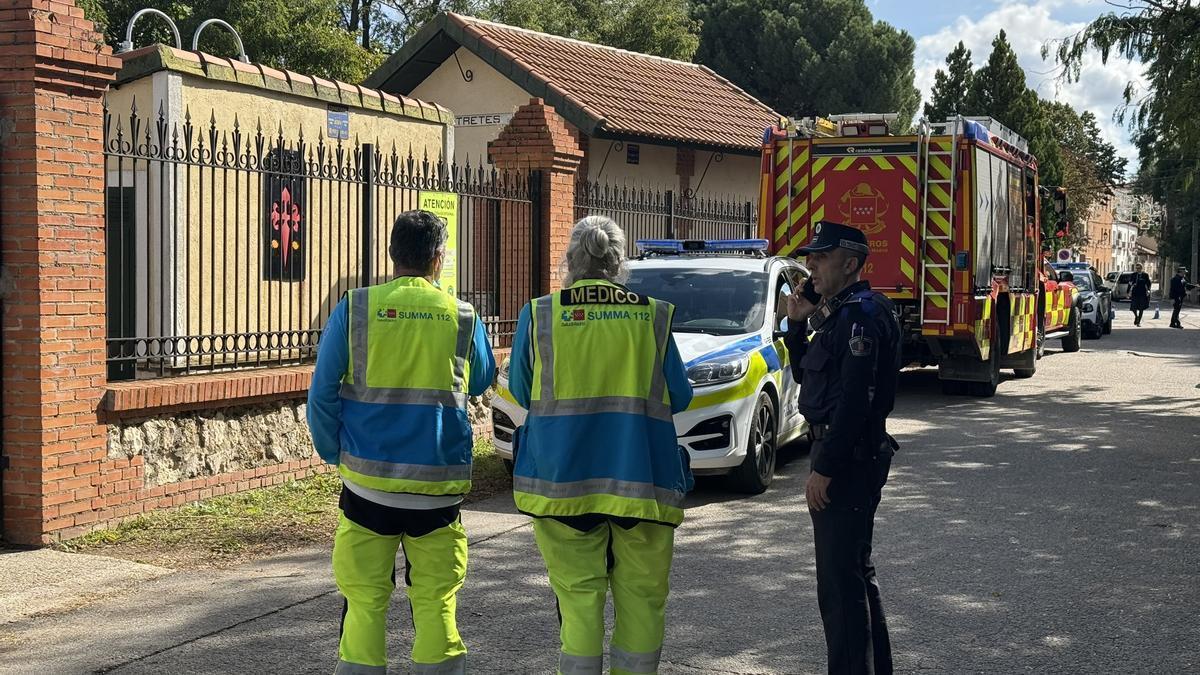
285,219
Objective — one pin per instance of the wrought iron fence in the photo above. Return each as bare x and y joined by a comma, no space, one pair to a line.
648,213
229,247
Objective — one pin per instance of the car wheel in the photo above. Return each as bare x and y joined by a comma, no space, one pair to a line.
1108,323
757,470
508,466
1070,343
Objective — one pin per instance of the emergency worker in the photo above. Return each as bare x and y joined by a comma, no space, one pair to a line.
1139,293
1179,291
848,371
597,463
388,407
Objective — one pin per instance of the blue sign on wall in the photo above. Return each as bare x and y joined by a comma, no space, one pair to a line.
337,122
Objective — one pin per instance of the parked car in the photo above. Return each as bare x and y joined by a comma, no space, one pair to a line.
1119,282
730,310
1095,299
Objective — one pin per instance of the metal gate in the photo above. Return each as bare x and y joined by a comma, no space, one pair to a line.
229,247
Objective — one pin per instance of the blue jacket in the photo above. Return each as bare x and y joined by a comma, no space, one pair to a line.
600,445
383,431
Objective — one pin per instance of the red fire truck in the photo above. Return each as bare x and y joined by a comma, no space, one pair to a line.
951,214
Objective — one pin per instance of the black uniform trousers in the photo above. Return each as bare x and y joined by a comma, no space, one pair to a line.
1175,314
856,634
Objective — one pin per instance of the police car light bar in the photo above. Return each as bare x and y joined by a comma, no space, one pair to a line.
702,245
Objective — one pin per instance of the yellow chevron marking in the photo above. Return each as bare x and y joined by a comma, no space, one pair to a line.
907,269
909,163
818,190
798,212
781,153
942,146
939,166
883,163
940,196
909,217
940,275
818,214
781,179
907,241
910,190
800,161
863,167
801,183
940,248
781,206
937,300
943,226
844,163
819,164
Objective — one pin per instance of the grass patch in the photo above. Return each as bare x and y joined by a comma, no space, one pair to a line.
230,529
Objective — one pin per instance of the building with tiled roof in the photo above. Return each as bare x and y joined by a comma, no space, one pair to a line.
645,120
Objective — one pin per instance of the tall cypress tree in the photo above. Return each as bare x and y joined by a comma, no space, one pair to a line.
951,86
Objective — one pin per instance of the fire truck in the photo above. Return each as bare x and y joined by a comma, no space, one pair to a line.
951,214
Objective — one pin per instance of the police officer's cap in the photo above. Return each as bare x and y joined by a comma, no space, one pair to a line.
1181,268
828,235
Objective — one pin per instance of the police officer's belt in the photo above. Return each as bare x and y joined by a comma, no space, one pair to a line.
818,431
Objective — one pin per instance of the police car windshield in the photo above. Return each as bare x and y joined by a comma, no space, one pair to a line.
1082,280
717,302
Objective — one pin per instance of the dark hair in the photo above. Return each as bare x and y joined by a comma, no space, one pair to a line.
417,237
856,255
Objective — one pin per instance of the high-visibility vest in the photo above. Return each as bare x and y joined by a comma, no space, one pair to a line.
600,438
409,354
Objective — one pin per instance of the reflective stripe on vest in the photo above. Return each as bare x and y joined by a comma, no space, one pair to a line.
410,345
592,486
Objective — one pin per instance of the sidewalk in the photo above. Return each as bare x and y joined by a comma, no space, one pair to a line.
103,614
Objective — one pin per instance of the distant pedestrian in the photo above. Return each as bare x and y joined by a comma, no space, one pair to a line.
1179,290
1139,293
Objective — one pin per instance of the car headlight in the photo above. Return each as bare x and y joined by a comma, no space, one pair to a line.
1087,307
718,371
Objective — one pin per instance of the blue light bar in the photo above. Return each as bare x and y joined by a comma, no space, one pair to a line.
701,245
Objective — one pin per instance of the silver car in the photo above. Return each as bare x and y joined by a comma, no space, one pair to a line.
1095,300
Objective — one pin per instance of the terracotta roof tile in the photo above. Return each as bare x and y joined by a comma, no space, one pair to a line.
629,93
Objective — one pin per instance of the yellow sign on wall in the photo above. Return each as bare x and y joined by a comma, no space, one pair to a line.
444,205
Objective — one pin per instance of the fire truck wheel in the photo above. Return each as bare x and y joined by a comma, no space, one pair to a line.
988,389
755,473
954,388
1071,342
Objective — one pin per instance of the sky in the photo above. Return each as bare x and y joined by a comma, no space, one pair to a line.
937,27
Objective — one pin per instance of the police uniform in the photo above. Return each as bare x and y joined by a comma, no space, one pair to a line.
598,466
1139,295
848,371
388,406
1179,291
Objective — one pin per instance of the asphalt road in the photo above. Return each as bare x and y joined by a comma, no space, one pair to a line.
1053,529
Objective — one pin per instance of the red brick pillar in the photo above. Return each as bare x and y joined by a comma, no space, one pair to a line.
538,139
54,69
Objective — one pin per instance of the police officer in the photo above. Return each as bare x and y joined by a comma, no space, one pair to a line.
1139,293
388,407
597,463
1179,291
848,371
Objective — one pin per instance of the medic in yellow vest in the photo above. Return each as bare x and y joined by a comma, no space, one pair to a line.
597,463
388,406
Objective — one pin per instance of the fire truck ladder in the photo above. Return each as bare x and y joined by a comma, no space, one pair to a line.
928,150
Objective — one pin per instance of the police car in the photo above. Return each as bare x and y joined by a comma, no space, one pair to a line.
730,314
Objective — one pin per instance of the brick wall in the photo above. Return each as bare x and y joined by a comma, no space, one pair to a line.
53,73
537,138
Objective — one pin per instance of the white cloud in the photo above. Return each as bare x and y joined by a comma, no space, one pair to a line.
1028,26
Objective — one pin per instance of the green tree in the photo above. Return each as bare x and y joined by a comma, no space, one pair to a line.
810,57
951,86
1161,34
657,27
302,35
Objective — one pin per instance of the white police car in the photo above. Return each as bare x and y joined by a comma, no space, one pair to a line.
730,312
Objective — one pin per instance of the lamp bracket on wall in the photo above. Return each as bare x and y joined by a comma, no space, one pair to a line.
199,29
717,157
127,45
467,75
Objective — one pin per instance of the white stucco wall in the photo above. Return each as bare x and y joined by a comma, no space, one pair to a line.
487,94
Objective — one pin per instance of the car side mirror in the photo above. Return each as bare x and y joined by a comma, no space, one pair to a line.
1066,276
